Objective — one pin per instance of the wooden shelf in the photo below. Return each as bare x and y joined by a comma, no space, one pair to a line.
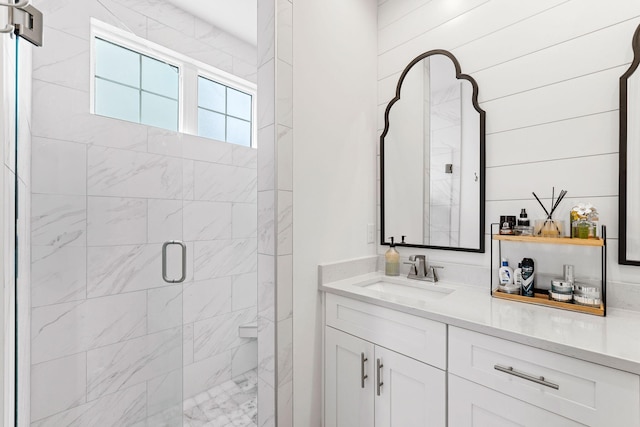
550,240
543,299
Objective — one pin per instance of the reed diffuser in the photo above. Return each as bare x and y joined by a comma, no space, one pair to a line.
549,227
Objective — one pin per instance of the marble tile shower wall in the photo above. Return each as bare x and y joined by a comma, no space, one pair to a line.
111,343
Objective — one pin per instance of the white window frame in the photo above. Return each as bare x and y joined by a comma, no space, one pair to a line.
189,70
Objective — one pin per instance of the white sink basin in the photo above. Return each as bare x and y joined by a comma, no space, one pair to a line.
420,291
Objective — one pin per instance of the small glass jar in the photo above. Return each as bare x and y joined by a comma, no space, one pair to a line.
583,229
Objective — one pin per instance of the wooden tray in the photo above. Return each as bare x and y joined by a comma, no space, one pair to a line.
550,240
543,299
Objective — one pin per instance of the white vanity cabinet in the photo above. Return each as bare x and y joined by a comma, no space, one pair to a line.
366,383
495,382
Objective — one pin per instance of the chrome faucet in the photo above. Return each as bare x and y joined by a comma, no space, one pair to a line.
419,269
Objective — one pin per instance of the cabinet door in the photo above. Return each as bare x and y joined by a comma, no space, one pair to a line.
412,394
347,402
472,405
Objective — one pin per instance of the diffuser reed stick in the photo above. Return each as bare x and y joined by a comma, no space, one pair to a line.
554,205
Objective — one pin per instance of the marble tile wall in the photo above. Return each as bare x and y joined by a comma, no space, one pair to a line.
112,343
275,213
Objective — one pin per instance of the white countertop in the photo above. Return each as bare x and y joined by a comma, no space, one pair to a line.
612,341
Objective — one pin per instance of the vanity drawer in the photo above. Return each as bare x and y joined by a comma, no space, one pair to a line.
416,337
586,392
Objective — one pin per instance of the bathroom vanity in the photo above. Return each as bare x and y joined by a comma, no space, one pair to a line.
399,352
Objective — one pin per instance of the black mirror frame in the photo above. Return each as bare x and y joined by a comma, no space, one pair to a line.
622,183
474,99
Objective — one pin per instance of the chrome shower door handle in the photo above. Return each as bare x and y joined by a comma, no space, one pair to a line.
183,248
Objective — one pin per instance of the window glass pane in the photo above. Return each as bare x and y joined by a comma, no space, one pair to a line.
159,111
238,104
160,78
210,124
238,131
117,63
117,101
211,95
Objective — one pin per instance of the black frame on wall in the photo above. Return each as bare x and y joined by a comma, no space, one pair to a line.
476,106
622,185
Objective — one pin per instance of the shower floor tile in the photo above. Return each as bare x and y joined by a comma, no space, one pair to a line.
233,403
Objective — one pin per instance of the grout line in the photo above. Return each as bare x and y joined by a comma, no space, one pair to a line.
551,160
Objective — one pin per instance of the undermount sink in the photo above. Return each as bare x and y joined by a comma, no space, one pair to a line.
420,291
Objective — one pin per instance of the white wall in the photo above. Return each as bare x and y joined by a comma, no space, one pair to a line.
548,75
334,86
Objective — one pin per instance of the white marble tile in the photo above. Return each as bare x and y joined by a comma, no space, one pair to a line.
245,156
266,31
64,329
164,308
285,351
206,150
58,274
244,358
206,299
220,333
226,42
116,221
58,220
267,403
163,141
244,218
187,344
117,269
170,416
285,158
284,32
245,70
188,179
58,167
164,220
122,173
165,393
266,351
266,95
57,111
124,408
165,13
285,223
266,286
121,365
109,132
58,385
206,220
285,286
284,95
224,183
266,222
221,258
62,60
285,405
205,374
266,158
244,291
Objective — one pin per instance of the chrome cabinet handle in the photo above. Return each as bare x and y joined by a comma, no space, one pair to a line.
164,261
363,376
538,380
379,366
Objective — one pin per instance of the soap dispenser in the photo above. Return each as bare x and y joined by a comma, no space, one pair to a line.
392,261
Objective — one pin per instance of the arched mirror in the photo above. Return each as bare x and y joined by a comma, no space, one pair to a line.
432,158
629,197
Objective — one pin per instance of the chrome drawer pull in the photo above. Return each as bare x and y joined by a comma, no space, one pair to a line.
379,366
538,380
363,376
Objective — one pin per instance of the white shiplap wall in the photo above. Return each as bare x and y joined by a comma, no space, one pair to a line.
548,73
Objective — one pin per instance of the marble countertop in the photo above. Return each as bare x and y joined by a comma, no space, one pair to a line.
612,341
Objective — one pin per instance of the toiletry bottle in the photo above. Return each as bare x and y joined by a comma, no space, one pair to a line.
528,277
524,225
517,276
392,261
505,273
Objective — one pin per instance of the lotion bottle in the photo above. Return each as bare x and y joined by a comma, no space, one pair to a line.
392,261
505,273
517,276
